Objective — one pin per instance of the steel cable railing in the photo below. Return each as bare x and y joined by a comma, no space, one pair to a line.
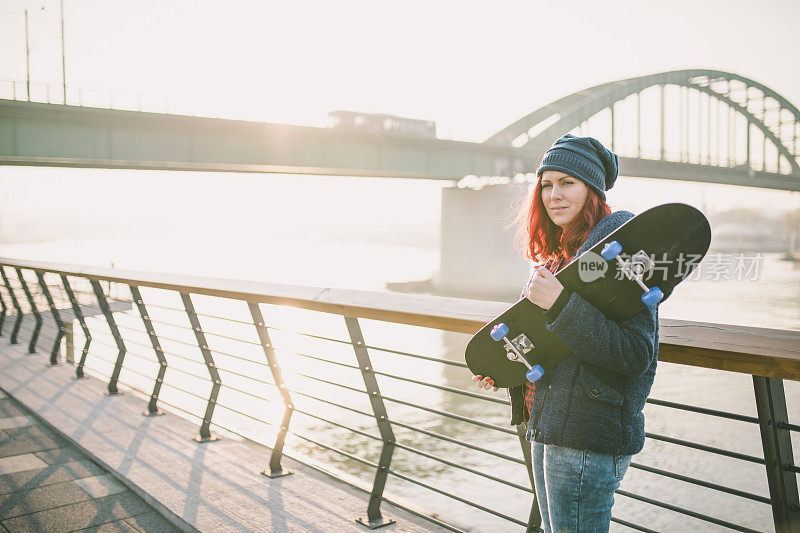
451,440
350,456
631,525
686,512
417,356
700,482
454,390
457,498
704,411
409,404
186,372
705,448
36,300
464,468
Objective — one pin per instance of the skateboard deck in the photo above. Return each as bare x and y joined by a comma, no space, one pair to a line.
645,259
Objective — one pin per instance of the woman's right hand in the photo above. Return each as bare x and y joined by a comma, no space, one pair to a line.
485,383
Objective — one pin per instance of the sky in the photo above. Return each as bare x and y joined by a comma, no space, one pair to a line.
473,67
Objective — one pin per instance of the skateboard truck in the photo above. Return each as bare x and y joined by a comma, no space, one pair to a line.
634,268
521,344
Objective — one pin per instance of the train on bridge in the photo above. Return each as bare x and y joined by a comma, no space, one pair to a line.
382,124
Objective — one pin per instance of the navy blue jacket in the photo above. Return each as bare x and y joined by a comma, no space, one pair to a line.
593,398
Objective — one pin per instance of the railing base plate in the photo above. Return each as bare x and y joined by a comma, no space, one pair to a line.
53,364
109,393
375,524
203,440
153,413
279,473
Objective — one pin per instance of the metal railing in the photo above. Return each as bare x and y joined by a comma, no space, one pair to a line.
333,381
54,93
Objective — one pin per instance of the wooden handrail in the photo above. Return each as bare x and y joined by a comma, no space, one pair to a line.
749,350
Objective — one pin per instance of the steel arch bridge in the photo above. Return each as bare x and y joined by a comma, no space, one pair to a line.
693,125
707,121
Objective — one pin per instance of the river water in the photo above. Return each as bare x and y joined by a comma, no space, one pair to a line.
357,233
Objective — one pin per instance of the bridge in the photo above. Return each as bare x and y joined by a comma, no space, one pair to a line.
698,125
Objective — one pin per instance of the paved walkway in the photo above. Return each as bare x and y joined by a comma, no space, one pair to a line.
46,484
210,487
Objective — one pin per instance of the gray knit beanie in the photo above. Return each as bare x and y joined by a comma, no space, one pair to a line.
584,158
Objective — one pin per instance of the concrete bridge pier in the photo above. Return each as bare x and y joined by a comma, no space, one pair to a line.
478,258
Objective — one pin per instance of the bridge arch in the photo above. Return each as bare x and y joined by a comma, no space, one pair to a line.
537,130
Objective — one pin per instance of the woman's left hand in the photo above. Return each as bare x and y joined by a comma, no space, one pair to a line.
544,288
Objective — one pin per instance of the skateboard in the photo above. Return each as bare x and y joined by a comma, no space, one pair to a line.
637,265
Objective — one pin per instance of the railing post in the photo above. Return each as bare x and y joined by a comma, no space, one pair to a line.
59,323
275,468
76,308
777,444
3,313
36,315
15,303
663,152
152,405
535,518
112,325
205,431
374,519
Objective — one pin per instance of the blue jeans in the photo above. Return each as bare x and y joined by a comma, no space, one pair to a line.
576,488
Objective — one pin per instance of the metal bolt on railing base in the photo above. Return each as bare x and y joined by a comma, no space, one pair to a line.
278,473
202,440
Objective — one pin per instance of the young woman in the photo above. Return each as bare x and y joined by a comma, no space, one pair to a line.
585,415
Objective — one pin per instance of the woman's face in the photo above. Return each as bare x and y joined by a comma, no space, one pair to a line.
563,197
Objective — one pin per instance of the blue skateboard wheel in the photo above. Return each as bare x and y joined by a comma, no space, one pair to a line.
535,373
611,250
653,296
499,331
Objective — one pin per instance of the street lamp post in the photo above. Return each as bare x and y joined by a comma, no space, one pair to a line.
27,58
63,53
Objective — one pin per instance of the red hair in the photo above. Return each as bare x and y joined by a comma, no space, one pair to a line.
541,240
